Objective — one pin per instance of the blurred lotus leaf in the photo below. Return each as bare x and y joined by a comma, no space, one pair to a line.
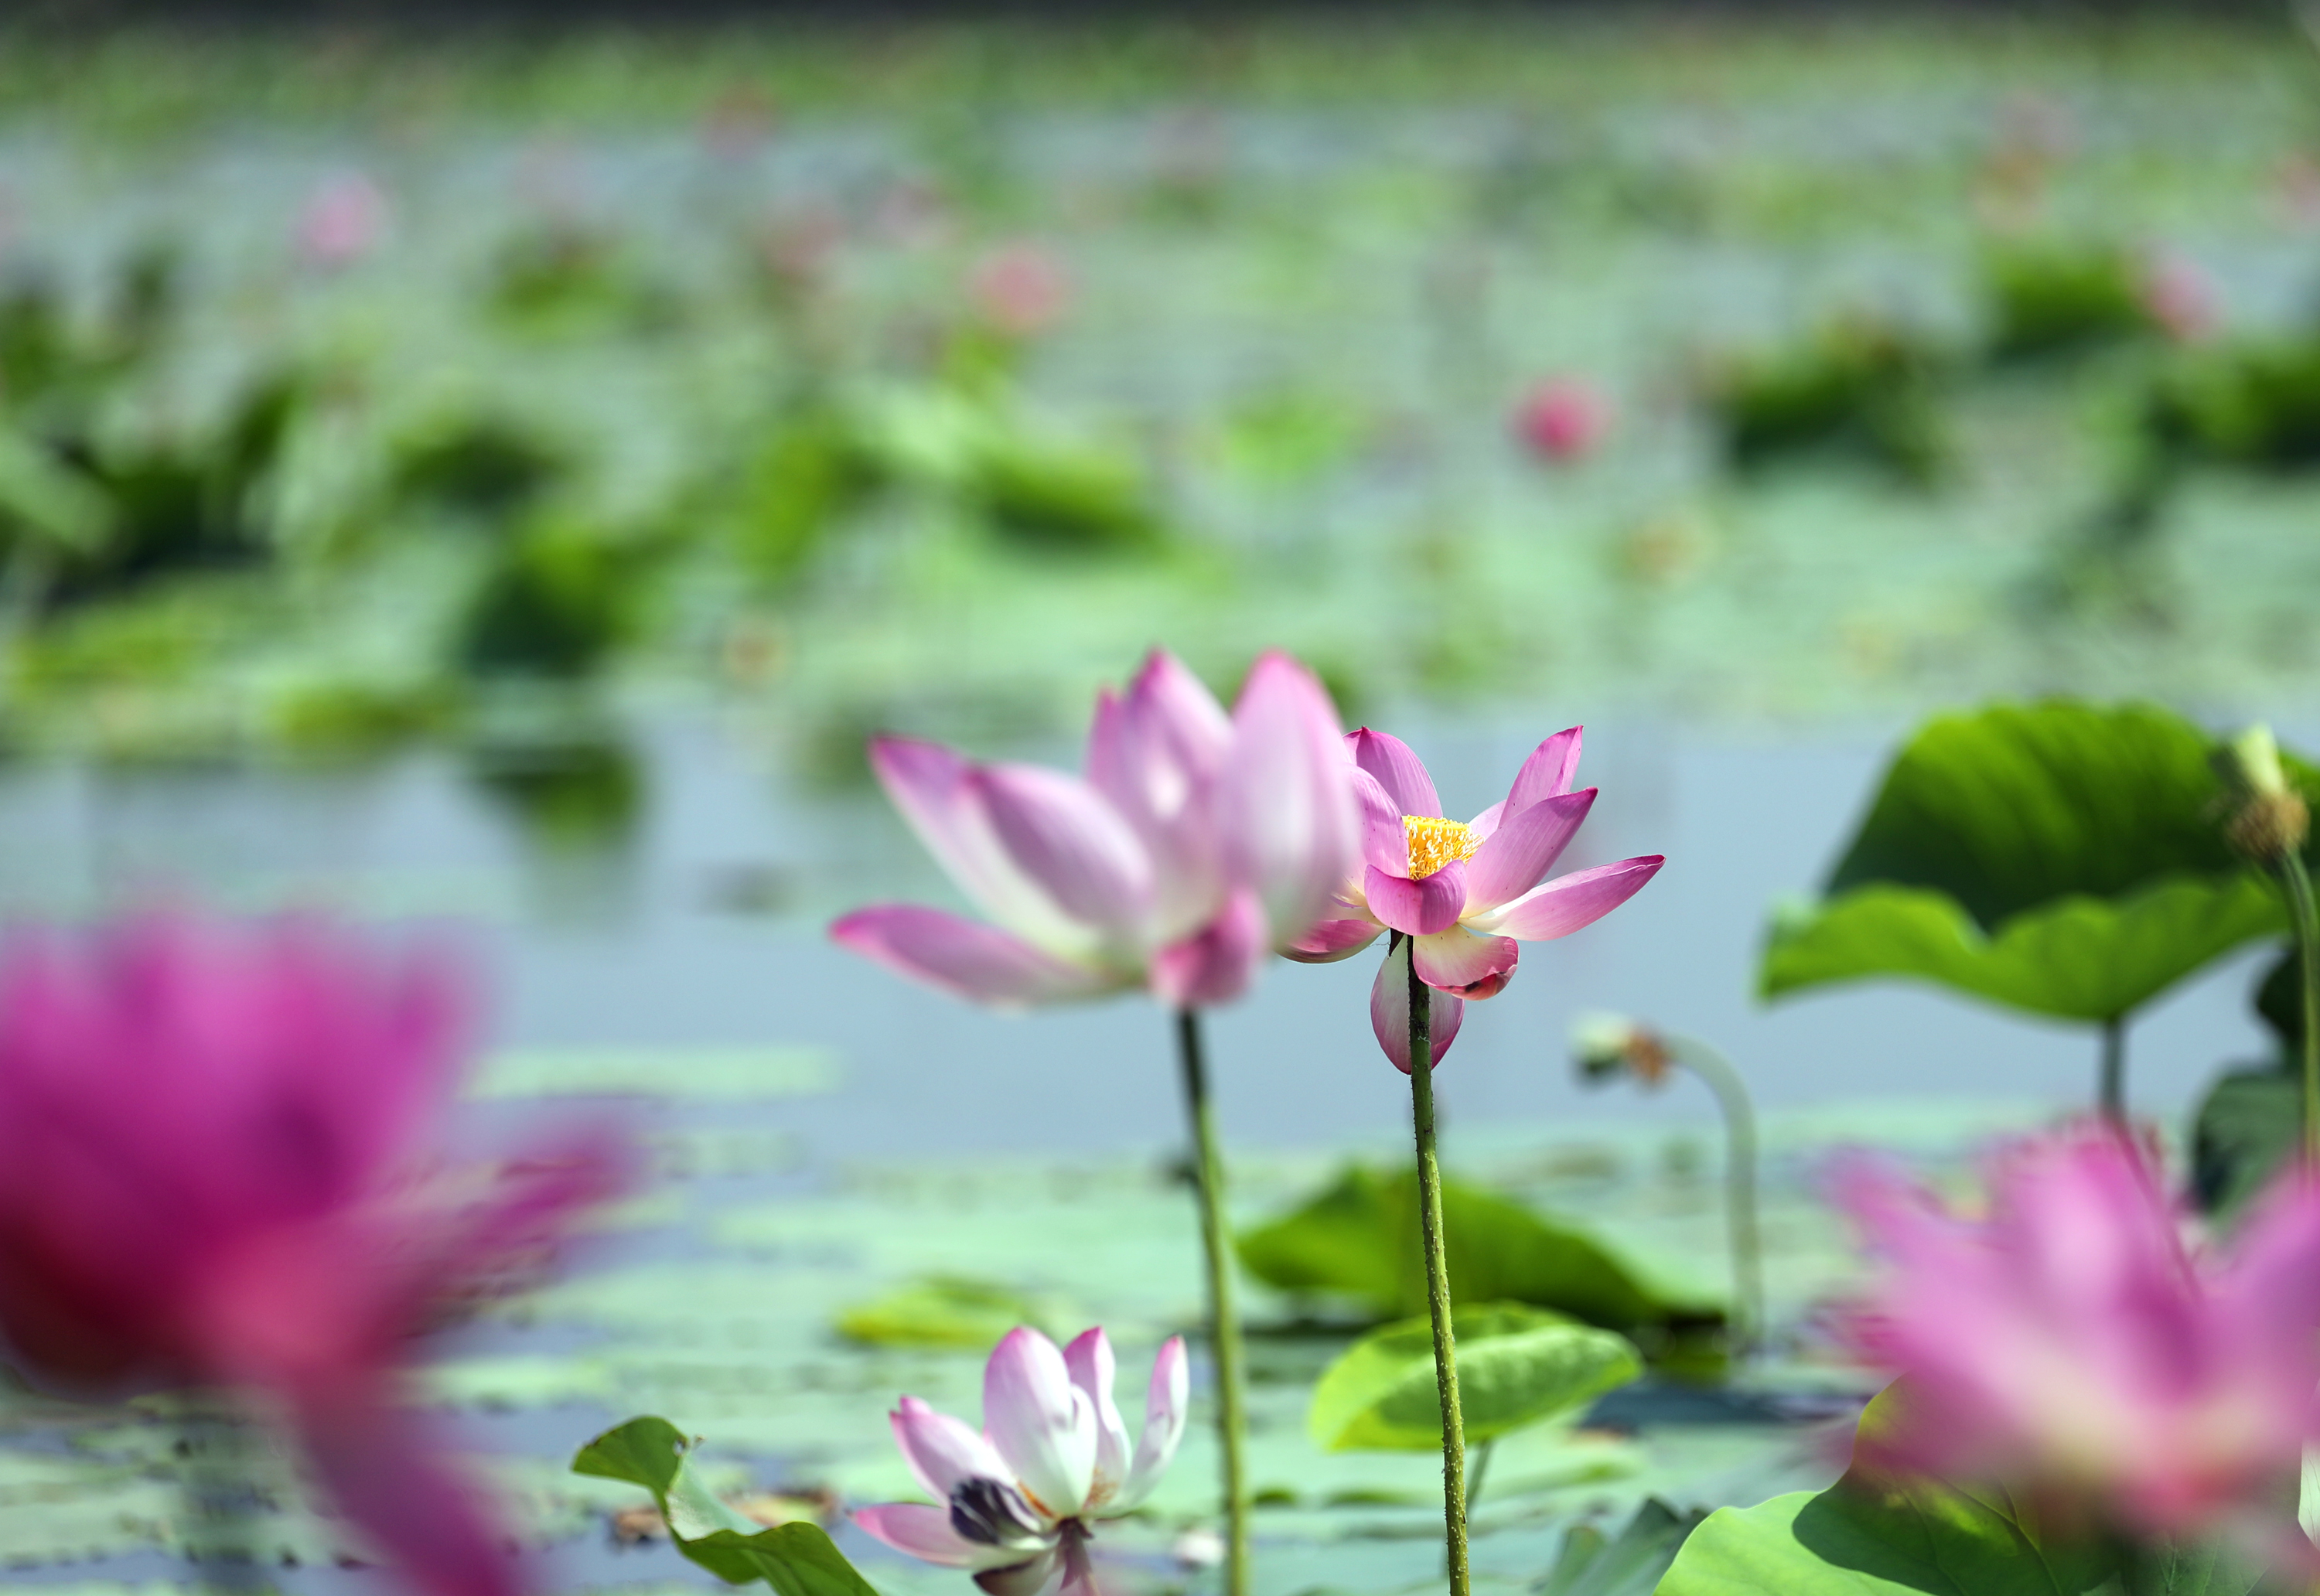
1859,389
578,793
950,1311
554,601
2053,299
2061,857
563,277
1629,1564
1876,1535
796,1559
809,471
1516,1366
1029,482
2255,406
478,465
1357,1242
2247,1124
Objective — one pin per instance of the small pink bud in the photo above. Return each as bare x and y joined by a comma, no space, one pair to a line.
1020,289
342,221
2180,299
1561,420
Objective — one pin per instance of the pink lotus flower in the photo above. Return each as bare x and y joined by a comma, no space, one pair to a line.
342,221
1561,420
1461,892
2071,1342
209,1174
1194,844
2180,299
1021,289
1019,1499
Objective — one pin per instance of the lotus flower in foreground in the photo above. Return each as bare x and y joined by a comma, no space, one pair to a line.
1462,894
1016,1503
2070,1345
1195,844
209,1146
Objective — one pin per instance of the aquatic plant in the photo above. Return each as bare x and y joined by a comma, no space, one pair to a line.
1196,844
1447,945
1561,420
1020,1500
1460,894
217,1169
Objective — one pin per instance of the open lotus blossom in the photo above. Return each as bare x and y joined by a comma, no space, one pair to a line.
1462,893
210,1173
2070,1343
1196,843
1016,1503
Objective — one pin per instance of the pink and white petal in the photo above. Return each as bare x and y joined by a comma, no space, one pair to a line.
1042,1573
1389,1010
1169,706
936,790
1398,770
1292,827
1167,1402
1420,908
1569,902
1385,840
1217,963
1517,855
1459,962
1062,833
1043,1425
1548,772
1154,756
1333,940
1485,825
942,1451
918,1530
966,958
1092,1368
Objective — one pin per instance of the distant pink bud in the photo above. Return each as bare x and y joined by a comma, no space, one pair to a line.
344,220
2180,299
1021,289
1561,420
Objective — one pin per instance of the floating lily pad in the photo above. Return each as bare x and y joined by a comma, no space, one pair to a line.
1516,1366
950,1311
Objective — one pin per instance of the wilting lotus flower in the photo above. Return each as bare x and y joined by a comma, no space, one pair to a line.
1462,893
1561,420
209,1174
1194,844
1018,1503
2069,1343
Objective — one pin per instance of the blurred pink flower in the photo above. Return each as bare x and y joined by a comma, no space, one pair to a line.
1561,420
1021,289
1019,1499
2069,1342
343,220
1195,844
212,1149
1462,894
2180,299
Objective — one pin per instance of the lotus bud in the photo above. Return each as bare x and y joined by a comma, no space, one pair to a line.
2266,819
1603,1044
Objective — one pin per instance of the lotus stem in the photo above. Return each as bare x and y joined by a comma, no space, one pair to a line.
1437,1268
1717,1073
2112,1093
1223,1318
1482,1455
2299,882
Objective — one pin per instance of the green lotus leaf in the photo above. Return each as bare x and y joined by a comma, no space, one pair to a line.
2060,857
1516,1366
795,1559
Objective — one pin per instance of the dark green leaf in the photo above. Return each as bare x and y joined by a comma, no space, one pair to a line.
1357,1241
2245,1130
794,1559
2059,857
1516,1366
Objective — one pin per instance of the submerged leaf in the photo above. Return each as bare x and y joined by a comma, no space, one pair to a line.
1629,1564
1516,1366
